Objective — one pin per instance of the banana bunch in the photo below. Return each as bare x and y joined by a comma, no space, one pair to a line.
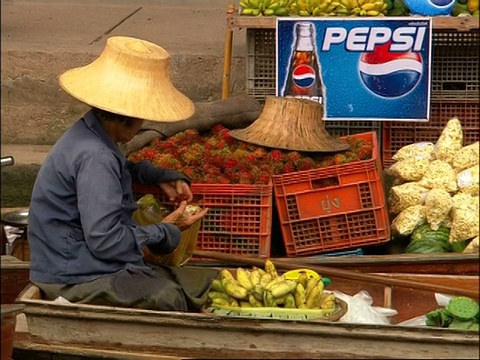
313,7
265,7
340,7
368,7
265,288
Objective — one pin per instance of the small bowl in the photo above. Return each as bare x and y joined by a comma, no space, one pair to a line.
16,218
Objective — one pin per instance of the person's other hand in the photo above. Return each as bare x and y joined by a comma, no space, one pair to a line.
182,219
177,190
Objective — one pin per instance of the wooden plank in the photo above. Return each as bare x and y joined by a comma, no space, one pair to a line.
115,328
467,23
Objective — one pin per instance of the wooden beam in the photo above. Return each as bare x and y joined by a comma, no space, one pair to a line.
465,23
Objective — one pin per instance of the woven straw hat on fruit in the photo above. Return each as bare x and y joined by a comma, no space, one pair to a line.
130,77
290,124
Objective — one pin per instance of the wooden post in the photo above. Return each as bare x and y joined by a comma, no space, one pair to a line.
227,60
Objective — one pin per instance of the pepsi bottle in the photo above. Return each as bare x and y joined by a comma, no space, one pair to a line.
304,80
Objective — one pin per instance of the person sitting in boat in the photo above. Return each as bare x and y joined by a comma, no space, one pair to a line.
84,244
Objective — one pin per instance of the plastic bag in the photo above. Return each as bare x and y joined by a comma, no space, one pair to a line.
409,169
403,196
420,150
151,211
361,311
450,141
468,180
467,157
438,204
409,219
439,175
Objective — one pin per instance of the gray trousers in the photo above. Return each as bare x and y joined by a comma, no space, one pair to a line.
156,288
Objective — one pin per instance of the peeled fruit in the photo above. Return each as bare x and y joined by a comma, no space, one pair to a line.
192,209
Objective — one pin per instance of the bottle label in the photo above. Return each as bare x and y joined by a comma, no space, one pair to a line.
303,76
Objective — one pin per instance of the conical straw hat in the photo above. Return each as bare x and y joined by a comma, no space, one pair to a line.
130,77
290,124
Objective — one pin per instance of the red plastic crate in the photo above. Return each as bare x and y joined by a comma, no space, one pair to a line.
239,220
399,134
352,214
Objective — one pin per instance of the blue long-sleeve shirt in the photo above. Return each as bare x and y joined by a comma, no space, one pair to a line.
80,215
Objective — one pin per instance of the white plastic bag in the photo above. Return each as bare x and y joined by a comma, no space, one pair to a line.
361,311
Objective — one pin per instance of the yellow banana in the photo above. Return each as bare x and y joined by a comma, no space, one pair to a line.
234,289
243,279
221,302
281,11
312,282
250,11
218,295
265,279
225,274
347,4
254,302
268,299
270,268
273,5
254,4
273,283
255,277
328,302
299,295
313,298
303,279
283,288
234,303
373,13
321,286
368,6
217,285
260,271
289,301
258,291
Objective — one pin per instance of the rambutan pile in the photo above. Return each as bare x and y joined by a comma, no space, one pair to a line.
216,158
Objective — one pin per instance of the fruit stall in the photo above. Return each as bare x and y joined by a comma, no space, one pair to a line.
265,201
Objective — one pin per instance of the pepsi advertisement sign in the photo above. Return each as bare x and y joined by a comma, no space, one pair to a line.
358,68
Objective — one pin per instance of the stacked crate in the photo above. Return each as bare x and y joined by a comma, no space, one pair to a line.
455,93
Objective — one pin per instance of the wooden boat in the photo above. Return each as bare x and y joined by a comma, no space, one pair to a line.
122,333
15,276
15,272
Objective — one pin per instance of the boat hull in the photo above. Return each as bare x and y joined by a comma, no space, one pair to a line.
181,333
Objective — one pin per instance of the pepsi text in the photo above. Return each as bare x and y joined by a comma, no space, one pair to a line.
364,38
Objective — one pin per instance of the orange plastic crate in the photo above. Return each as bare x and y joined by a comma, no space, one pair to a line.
399,134
239,220
352,214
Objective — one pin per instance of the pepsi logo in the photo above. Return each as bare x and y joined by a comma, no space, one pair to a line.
430,7
303,76
441,3
390,74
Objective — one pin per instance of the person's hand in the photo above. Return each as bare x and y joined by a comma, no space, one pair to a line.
183,219
177,190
